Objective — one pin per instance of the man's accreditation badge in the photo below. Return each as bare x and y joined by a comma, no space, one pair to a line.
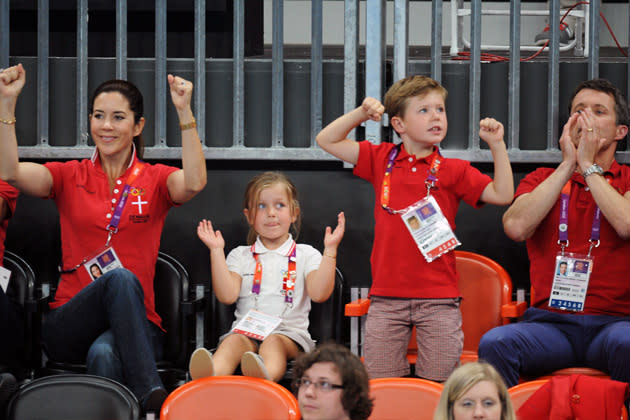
570,282
429,228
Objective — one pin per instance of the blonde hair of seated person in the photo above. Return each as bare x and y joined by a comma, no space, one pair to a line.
464,378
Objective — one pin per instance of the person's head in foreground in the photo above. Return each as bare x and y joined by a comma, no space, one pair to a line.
475,391
331,383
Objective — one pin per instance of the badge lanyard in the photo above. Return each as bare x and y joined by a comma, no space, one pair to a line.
430,182
288,281
563,225
112,227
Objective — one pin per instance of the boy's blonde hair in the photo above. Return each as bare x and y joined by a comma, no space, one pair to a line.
465,377
252,193
397,97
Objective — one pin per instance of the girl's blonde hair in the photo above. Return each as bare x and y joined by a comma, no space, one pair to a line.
252,193
465,377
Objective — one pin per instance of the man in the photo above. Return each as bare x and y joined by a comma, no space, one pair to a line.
578,212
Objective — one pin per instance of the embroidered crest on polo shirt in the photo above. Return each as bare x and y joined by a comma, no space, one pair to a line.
140,204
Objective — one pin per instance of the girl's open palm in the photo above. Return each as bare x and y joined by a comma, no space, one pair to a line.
332,238
211,238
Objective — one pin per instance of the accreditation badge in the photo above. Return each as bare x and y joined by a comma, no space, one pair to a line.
570,281
5,275
257,325
104,261
429,228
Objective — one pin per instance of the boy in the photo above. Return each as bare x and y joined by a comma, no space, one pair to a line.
414,281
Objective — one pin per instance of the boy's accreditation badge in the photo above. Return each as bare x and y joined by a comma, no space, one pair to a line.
257,325
429,228
570,282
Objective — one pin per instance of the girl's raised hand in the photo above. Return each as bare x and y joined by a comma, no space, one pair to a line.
181,91
332,238
211,238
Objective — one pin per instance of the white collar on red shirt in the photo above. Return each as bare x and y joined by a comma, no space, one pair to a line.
95,155
284,249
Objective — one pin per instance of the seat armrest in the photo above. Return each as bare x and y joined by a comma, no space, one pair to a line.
40,303
513,309
357,307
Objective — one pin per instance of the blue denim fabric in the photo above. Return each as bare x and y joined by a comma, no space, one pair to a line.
545,341
105,325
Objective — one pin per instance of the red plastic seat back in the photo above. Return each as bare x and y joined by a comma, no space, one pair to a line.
485,287
404,398
230,397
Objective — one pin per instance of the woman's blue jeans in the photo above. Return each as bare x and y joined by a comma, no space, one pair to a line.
105,326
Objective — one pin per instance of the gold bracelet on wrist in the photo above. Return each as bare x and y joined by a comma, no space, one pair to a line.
189,125
8,122
330,256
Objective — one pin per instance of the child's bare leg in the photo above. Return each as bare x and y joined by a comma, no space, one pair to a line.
275,351
228,356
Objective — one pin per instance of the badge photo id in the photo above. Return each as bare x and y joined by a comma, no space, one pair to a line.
257,325
429,228
570,282
104,261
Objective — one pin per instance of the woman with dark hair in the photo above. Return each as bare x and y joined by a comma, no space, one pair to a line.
112,209
331,383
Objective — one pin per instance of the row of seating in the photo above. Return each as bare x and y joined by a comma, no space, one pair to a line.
190,314
77,397
193,317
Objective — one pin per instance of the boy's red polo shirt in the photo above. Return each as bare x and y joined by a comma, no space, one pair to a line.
398,267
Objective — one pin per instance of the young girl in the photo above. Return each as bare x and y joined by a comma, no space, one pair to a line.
272,280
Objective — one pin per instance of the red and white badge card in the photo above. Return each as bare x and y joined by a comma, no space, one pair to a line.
429,228
570,282
257,325
106,260
5,275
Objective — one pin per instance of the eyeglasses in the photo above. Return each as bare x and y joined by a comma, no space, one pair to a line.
319,385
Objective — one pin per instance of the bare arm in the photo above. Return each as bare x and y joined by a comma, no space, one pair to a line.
226,284
187,182
501,190
321,282
333,138
31,178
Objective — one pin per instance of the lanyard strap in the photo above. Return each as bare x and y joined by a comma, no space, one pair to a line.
122,200
563,225
430,182
288,282
113,225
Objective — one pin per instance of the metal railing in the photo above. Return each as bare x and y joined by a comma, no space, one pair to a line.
275,144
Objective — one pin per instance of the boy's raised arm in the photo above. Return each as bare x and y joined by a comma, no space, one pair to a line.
333,138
